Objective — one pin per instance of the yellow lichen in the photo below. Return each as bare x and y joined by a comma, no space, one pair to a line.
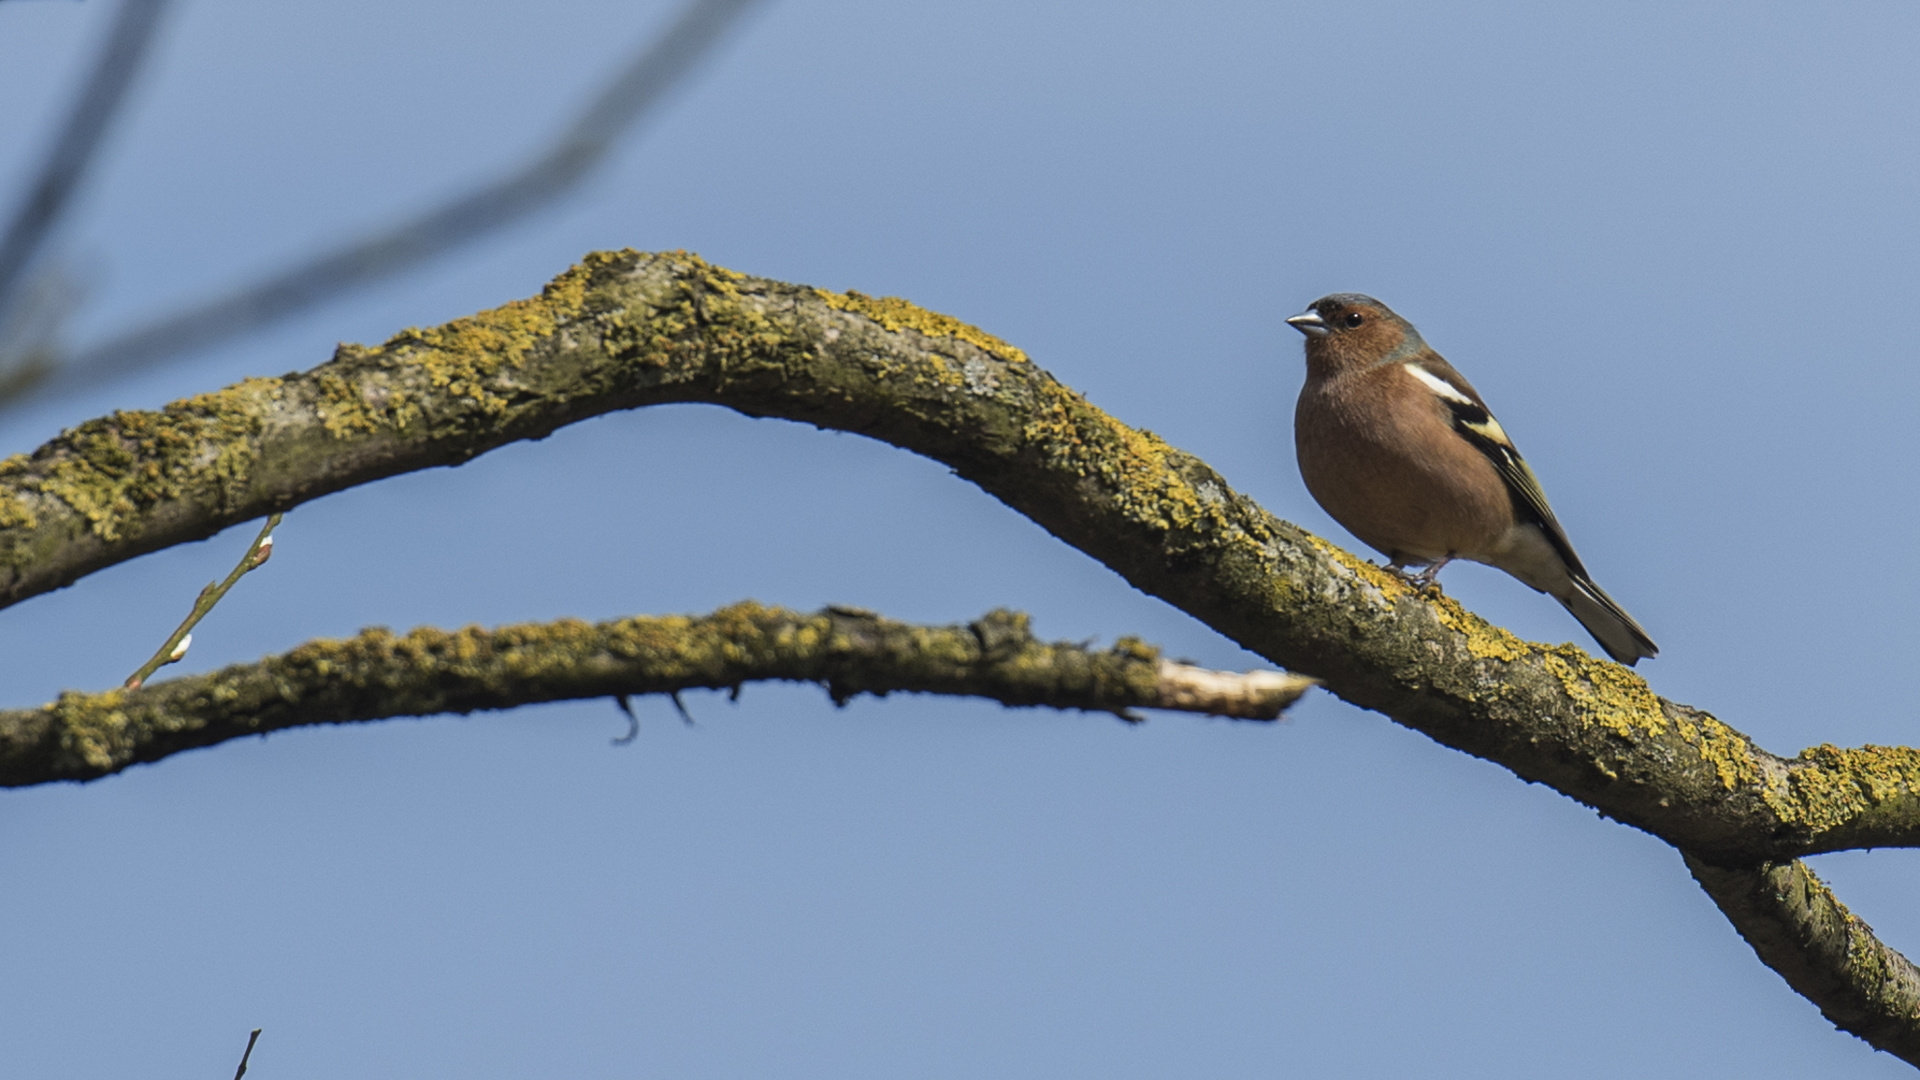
1135,466
1729,752
463,356
342,408
706,319
1141,478
1828,786
1608,695
15,512
896,314
93,727
112,468
1484,640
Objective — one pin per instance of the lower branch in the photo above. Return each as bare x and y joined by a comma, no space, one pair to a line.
1826,953
377,674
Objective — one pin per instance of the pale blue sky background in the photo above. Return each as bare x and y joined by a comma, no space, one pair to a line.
1673,245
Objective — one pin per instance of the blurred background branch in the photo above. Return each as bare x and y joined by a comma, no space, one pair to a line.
32,364
30,310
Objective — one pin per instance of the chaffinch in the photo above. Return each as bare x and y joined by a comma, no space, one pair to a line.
1401,450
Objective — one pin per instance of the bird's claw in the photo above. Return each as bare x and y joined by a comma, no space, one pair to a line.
1427,578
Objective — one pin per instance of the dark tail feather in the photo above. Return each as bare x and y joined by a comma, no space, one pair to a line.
1611,626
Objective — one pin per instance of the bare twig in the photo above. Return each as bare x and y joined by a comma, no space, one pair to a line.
1234,694
176,645
633,720
681,708
251,1039
640,86
66,165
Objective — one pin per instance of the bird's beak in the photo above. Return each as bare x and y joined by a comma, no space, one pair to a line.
1309,323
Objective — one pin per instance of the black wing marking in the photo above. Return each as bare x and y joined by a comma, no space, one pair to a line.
1476,425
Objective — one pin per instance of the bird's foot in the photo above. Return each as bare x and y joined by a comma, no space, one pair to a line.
1429,578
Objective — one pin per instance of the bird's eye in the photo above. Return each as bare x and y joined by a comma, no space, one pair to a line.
1354,319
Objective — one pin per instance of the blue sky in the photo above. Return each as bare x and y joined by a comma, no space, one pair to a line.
1674,248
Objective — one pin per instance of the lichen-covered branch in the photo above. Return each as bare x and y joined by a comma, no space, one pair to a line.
1825,952
626,329
378,674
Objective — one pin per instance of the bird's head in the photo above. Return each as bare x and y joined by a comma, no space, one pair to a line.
1348,331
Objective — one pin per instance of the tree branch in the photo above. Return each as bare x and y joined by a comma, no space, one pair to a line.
625,329
66,164
376,675
1825,952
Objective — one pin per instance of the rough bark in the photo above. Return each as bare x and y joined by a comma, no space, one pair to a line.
626,329
378,674
1825,952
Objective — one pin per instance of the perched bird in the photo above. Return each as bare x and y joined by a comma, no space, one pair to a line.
1399,448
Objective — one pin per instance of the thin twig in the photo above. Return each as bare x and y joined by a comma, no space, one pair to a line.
66,165
633,720
640,86
176,645
251,1039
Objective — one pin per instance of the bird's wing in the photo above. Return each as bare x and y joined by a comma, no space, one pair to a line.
1474,422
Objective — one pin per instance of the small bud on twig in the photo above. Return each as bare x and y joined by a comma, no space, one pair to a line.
257,553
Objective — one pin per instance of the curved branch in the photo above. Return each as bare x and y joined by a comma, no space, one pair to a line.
376,675
1825,952
625,329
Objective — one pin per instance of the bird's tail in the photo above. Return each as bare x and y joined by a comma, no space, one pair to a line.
1609,624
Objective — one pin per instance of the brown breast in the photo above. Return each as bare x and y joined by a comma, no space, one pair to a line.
1397,477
